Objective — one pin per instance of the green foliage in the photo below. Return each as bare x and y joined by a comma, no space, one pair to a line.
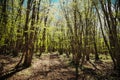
2,42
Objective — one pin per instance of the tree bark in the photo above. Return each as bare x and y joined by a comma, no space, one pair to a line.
27,53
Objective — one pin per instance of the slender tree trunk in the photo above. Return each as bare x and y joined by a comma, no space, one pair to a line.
32,34
27,45
95,44
112,29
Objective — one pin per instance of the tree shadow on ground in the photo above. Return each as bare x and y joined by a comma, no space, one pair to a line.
54,73
106,73
11,72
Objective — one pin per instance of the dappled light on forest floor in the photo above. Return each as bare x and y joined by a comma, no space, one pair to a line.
47,68
60,39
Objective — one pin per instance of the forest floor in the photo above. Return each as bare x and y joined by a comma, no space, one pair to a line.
55,67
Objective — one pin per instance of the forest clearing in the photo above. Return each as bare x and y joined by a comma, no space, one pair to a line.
59,39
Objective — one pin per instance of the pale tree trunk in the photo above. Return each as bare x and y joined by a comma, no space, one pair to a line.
95,42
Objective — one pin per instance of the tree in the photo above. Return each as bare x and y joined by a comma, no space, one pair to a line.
111,22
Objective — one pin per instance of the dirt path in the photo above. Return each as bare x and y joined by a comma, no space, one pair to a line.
48,67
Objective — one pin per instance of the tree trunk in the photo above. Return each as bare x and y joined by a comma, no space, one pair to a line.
95,44
113,38
27,52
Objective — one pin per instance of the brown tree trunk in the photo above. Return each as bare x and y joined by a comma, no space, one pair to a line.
27,51
113,38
